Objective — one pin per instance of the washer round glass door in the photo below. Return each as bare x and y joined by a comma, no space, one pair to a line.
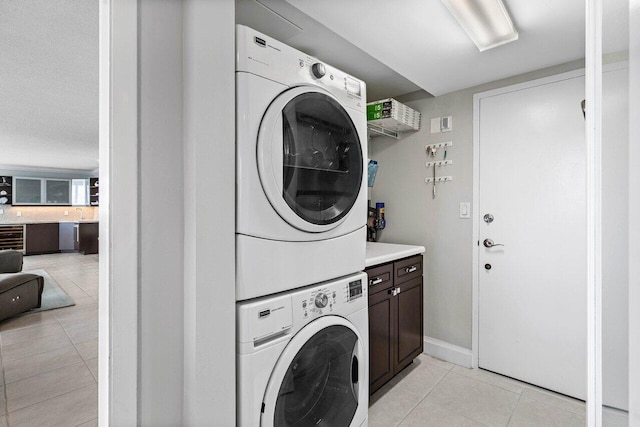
316,380
310,159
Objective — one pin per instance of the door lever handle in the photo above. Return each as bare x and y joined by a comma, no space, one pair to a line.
488,243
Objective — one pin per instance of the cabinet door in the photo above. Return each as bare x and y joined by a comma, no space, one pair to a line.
382,326
27,191
42,238
409,342
57,191
88,238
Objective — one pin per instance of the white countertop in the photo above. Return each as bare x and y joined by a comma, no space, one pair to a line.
379,253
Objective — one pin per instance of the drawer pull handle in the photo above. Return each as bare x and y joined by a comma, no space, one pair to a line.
394,291
375,281
410,269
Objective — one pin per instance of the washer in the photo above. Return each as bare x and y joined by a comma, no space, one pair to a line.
302,357
301,156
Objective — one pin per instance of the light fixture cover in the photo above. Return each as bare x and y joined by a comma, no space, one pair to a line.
486,22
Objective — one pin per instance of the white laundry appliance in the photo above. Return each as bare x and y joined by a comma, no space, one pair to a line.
300,181
302,357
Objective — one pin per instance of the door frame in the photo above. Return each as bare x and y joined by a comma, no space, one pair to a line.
476,190
118,325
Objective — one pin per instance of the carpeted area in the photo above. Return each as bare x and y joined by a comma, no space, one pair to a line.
53,296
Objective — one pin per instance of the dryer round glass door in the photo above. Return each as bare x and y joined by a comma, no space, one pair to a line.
310,159
319,384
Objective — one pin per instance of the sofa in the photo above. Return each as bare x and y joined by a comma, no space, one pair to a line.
19,292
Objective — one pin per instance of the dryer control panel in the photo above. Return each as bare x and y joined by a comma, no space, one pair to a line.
263,56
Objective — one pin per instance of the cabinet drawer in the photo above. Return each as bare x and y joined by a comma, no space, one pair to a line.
407,269
380,278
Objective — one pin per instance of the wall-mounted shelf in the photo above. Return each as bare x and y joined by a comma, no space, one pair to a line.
439,163
389,117
439,179
383,131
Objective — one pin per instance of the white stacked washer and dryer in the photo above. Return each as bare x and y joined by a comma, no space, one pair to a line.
302,320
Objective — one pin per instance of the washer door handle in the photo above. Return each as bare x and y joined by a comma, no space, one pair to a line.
354,369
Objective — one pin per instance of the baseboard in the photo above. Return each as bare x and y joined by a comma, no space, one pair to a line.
451,353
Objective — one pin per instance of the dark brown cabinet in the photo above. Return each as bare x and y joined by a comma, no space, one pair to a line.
94,191
42,238
395,318
87,238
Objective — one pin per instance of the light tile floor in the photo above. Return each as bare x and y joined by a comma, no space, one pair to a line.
49,360
49,364
431,392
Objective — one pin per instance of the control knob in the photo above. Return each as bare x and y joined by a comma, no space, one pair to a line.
321,300
318,70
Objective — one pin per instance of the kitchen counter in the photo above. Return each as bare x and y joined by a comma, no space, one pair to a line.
379,253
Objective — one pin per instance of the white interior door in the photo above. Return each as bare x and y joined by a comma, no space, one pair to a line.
531,291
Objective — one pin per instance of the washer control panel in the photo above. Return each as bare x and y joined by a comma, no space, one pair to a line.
341,297
321,300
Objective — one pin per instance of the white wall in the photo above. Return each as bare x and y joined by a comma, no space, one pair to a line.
414,217
167,312
634,208
209,135
161,225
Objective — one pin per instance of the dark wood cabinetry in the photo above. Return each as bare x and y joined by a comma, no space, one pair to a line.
6,190
87,238
42,238
395,318
94,192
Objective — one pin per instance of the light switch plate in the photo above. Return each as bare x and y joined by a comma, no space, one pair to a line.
435,125
465,210
19,213
1,211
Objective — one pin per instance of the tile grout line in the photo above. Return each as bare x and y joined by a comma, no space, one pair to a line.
514,410
79,354
487,382
4,385
55,397
44,372
425,396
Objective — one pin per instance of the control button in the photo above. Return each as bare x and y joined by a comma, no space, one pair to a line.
334,295
301,64
321,300
318,70
331,76
306,314
304,304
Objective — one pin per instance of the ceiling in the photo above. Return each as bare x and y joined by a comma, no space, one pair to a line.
419,42
49,84
285,23
49,60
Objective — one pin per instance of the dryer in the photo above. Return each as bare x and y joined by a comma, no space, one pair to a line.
302,357
301,207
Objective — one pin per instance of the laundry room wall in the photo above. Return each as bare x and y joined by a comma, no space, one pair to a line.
414,217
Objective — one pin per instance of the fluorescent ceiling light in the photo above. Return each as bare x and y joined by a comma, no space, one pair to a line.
486,22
